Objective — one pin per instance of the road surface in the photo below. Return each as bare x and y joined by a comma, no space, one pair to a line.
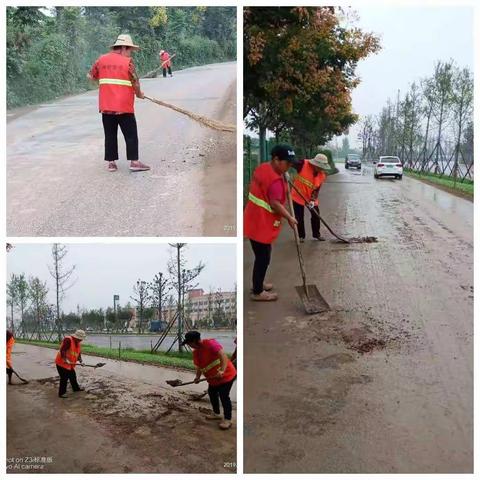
58,185
128,420
383,383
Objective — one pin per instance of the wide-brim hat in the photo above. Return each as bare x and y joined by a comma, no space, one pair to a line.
321,161
125,40
79,335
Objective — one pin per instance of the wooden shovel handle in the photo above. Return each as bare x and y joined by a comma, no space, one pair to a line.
295,233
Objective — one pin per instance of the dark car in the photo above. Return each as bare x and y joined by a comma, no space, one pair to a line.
353,160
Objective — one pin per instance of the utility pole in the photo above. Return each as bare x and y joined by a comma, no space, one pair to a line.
180,312
116,298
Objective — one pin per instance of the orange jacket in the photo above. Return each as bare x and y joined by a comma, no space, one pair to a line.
260,222
165,60
306,182
72,355
209,363
116,91
10,344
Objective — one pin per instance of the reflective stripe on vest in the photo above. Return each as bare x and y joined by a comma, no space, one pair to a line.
259,202
210,365
114,81
305,181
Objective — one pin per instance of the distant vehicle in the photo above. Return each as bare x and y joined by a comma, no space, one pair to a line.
388,166
353,160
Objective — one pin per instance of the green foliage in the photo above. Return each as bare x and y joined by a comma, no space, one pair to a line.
49,52
299,71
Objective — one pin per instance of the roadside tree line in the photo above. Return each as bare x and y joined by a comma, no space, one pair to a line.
49,50
299,72
33,316
430,127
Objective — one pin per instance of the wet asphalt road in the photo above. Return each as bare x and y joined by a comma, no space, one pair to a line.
58,185
384,381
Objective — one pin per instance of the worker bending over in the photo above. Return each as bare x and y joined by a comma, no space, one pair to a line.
68,356
263,215
10,343
311,175
211,361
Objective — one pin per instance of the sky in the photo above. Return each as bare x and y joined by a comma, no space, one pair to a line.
103,270
412,39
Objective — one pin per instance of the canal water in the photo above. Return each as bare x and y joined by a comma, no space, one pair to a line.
144,342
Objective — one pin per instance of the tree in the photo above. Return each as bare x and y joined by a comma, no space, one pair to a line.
22,294
141,298
63,280
299,71
462,107
181,279
159,291
38,292
12,297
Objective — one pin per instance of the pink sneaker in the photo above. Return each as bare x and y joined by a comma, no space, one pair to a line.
138,167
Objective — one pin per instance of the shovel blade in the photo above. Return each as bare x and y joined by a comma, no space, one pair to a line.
174,383
313,302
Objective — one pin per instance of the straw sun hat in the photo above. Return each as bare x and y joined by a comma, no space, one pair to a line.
125,40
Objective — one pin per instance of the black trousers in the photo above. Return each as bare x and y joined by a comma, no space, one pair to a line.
262,252
165,71
314,220
221,393
128,126
65,376
9,373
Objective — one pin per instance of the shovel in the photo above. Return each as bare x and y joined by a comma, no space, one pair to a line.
98,365
179,383
19,377
344,240
309,294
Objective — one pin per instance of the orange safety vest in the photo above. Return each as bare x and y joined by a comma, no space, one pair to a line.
10,344
260,223
306,182
116,92
165,57
209,364
72,355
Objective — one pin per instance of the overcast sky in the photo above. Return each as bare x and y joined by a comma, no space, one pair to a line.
103,270
412,39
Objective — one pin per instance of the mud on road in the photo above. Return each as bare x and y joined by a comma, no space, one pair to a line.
117,425
383,383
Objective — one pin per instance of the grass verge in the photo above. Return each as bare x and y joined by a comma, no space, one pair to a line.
465,188
175,360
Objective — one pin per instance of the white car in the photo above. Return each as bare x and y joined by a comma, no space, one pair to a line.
388,166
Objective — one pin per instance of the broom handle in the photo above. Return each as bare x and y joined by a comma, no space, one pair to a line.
295,233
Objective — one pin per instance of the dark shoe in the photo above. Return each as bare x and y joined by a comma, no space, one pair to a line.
63,396
81,389
320,238
302,240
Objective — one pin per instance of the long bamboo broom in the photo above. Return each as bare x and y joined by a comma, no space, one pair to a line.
207,122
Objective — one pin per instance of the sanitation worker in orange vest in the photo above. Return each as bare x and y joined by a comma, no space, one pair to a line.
118,85
263,214
165,63
211,361
68,356
311,175
10,343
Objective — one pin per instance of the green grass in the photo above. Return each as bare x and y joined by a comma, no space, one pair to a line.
465,187
174,359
